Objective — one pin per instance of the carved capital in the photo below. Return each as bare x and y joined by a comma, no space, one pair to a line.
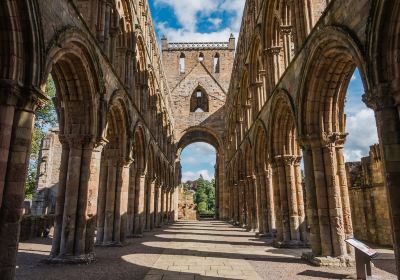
378,102
286,29
273,51
333,138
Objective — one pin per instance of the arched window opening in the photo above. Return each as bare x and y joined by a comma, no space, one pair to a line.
217,62
201,57
199,102
182,63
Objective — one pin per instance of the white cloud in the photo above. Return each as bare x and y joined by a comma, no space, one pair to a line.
353,78
193,175
198,153
187,11
182,35
215,21
190,12
362,134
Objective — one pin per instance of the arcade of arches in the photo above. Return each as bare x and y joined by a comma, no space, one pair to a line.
126,108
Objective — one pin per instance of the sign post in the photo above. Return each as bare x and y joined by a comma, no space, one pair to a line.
363,255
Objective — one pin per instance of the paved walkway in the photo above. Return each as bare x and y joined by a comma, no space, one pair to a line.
188,250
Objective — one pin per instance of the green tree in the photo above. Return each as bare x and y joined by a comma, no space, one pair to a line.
45,118
204,196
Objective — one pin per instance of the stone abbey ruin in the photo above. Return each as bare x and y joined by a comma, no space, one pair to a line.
270,102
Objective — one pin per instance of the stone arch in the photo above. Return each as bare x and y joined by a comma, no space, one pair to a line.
141,73
246,100
199,134
334,54
136,210
385,43
151,176
21,41
266,214
333,51
287,183
257,75
78,78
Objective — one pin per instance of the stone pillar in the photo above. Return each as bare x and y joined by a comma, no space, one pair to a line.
157,204
274,57
16,123
344,190
328,197
139,213
300,200
241,203
162,190
277,200
263,221
270,201
150,212
131,201
254,203
388,123
110,200
282,196
287,43
311,206
167,206
79,180
235,203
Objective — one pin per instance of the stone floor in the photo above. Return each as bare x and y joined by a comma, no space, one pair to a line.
189,250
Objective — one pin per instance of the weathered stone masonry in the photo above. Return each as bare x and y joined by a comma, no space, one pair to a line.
285,103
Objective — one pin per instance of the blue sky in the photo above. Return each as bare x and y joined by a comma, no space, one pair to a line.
215,20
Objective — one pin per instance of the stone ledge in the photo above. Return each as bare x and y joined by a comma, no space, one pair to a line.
82,259
342,261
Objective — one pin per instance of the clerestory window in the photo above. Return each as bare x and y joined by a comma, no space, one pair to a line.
199,101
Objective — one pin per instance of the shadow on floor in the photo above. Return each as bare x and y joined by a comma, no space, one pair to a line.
321,274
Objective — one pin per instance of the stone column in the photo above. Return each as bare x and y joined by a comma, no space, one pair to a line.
300,200
162,204
88,197
254,203
277,200
102,196
388,123
235,203
287,43
284,199
151,204
139,214
157,204
344,190
241,203
16,123
273,54
131,200
270,201
311,205
167,206
110,201
262,205
78,196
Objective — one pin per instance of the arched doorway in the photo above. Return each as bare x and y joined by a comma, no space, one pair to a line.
208,138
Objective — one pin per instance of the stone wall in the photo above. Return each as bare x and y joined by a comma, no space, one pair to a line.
186,206
368,199
36,226
44,197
